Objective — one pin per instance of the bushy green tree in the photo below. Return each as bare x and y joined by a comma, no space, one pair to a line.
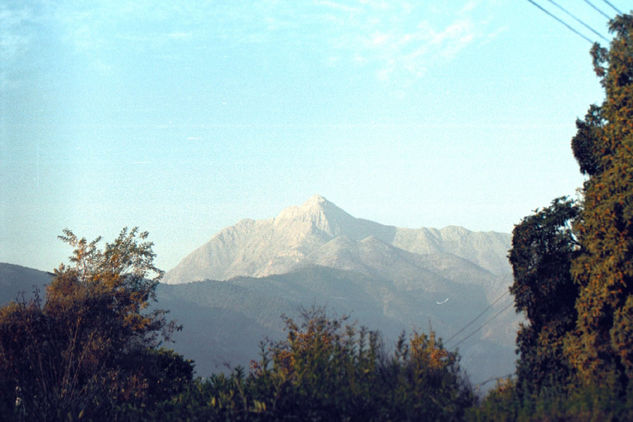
423,381
543,246
323,369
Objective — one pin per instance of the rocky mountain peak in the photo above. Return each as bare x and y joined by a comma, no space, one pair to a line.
314,205
317,214
300,235
316,201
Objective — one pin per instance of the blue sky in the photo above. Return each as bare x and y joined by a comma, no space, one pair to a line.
185,117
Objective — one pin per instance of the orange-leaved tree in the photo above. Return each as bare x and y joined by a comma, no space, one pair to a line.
70,357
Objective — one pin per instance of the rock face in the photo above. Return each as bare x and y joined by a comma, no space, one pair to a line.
318,232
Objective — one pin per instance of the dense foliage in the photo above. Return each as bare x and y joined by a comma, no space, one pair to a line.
573,271
92,347
543,246
602,350
328,370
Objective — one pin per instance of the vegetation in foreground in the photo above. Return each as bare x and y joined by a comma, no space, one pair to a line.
573,271
92,349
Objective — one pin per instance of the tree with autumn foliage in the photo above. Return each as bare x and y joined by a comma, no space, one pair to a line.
324,368
424,381
91,349
328,369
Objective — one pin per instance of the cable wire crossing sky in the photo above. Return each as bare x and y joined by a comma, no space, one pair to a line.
183,118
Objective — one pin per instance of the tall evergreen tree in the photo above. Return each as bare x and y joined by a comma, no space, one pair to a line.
602,348
578,299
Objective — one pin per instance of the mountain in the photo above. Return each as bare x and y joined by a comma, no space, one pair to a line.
301,235
451,280
387,278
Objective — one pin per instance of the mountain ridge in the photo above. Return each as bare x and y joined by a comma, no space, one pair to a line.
276,245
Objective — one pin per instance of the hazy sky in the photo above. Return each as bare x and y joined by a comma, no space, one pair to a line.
183,117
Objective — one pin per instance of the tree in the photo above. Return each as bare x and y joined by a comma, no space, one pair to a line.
327,369
573,270
323,370
601,349
543,246
70,358
423,381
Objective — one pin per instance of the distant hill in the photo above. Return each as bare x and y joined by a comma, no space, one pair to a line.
17,281
224,321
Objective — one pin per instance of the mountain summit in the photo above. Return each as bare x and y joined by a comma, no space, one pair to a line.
317,214
303,235
388,278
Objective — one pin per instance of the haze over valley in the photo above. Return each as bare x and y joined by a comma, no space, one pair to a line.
229,294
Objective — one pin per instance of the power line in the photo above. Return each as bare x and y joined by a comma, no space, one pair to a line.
472,333
482,325
596,8
612,6
561,21
472,321
494,379
578,20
